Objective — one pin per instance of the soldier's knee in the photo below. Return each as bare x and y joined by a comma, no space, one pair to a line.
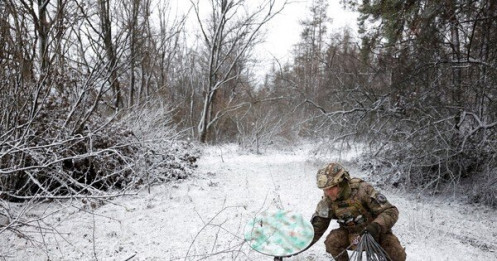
394,249
339,253
336,242
397,254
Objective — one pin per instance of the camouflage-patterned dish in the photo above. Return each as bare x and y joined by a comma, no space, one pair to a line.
279,233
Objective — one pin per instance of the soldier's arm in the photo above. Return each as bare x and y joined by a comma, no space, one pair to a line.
320,220
386,214
320,225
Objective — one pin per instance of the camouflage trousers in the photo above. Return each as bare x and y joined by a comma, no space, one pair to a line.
339,239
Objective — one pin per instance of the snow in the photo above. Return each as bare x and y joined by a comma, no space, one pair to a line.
203,217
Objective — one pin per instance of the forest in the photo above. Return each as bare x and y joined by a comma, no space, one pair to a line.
99,97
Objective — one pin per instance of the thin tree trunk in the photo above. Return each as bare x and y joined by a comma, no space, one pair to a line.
133,50
43,30
110,51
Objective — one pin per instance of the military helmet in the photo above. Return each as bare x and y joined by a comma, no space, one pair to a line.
331,175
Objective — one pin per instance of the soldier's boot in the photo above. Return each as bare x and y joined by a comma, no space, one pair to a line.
336,244
390,243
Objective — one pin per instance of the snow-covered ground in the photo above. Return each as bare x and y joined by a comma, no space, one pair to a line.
203,218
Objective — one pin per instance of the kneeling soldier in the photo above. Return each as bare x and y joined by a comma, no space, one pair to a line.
357,207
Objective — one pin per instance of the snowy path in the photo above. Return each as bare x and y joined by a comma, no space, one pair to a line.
204,217
429,230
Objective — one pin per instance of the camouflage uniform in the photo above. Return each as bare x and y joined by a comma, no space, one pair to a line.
357,205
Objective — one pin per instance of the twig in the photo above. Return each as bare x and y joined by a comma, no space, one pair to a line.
205,226
129,258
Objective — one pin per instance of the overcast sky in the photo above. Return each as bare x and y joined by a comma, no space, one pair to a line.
283,32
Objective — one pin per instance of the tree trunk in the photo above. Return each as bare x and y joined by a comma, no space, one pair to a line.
456,59
43,30
110,51
133,50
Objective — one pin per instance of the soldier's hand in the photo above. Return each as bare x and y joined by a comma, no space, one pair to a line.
373,229
356,240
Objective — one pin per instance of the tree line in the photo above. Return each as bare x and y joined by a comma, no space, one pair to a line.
419,89
416,85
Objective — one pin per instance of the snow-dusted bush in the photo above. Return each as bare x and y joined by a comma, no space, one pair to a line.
163,153
420,151
105,155
108,157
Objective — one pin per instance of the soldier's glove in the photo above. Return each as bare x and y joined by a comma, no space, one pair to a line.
374,230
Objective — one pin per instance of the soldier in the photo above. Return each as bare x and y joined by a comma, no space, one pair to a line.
358,208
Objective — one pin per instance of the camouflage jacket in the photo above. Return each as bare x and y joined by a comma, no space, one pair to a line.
357,206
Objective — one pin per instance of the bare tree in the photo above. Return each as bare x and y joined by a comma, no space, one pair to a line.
172,54
134,43
43,23
232,29
110,49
